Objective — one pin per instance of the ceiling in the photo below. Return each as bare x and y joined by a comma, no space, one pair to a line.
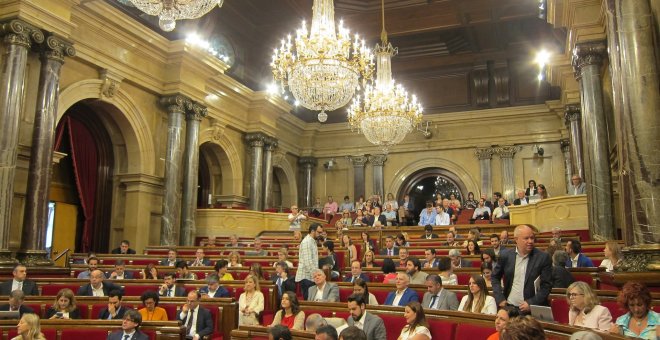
434,37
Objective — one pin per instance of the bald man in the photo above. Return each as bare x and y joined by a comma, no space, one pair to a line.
402,295
96,285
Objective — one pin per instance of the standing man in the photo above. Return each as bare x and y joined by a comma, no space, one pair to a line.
129,328
114,311
372,325
437,297
197,319
308,258
124,248
521,268
577,186
19,282
495,243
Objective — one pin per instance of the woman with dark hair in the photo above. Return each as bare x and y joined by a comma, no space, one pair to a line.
503,316
330,261
531,189
360,219
542,192
389,269
256,270
150,272
640,321
64,306
400,241
289,314
486,271
470,202
489,256
477,299
360,287
523,328
279,332
417,328
446,272
151,311
368,243
359,204
472,248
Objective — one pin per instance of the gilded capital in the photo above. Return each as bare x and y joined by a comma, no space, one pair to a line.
377,160
271,143
484,153
589,53
308,161
19,32
56,48
507,151
358,161
572,113
255,139
196,111
176,103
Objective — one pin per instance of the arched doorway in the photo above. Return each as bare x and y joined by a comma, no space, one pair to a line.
214,176
424,184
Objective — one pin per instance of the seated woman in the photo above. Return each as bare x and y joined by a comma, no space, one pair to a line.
542,192
486,271
477,299
283,256
470,202
360,287
256,270
400,241
367,242
250,303
290,314
347,243
151,311
584,308
64,306
29,328
473,235
392,201
472,248
503,316
639,321
360,220
368,260
234,260
221,269
523,327
359,204
612,256
150,272
446,272
345,221
454,203
416,328
330,260
389,269
368,208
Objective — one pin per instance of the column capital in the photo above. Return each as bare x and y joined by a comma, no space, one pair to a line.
565,145
588,53
507,151
176,103
572,112
19,32
56,48
358,161
484,153
255,139
196,111
271,143
378,160
308,161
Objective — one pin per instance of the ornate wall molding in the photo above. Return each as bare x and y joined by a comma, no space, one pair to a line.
484,153
507,151
572,112
19,32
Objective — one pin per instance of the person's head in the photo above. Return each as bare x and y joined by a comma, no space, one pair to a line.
212,282
16,299
221,267
314,321
315,229
497,195
193,299
96,278
531,183
488,256
360,287
495,240
132,320
429,255
124,246
319,277
199,253
19,272
257,243
486,270
233,239
402,281
445,204
388,266
149,299
297,235
169,279
581,297
585,335
477,286
389,242
356,268
357,304
503,316
368,257
256,270
559,258
376,211
29,326
542,191
403,254
414,315
235,257
520,193
635,298
429,207
444,264
451,237
523,328
556,233
290,301
472,247
280,268
329,246
428,229
326,332
455,256
413,265
151,272
501,202
483,197
182,268
482,201
279,332
470,195
352,333
346,240
576,180
330,199
433,284
525,237
114,297
65,300
400,240
612,250
92,264
171,254
347,199
251,283
504,235
573,247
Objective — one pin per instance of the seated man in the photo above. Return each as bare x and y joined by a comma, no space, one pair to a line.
322,290
389,249
522,199
233,242
371,324
377,219
457,261
197,319
428,233
482,212
258,250
430,261
403,257
282,280
437,297
577,259
502,211
314,322
183,273
171,259
390,215
221,268
129,328
200,259
330,208
451,240
123,248
427,216
19,282
120,273
114,311
16,299
92,264
449,210
577,187
213,288
402,295
414,270
347,205
169,289
356,272
96,286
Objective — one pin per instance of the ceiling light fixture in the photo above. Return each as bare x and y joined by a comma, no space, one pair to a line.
169,11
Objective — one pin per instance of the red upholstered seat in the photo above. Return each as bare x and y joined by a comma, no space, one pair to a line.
344,293
442,330
559,309
137,290
342,315
476,264
394,324
150,333
463,278
216,315
468,331
144,262
35,307
584,277
614,308
51,290
171,311
87,334
49,333
380,295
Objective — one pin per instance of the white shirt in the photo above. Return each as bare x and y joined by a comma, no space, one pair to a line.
191,314
516,296
16,285
397,297
574,261
442,218
360,323
523,201
434,304
319,293
97,291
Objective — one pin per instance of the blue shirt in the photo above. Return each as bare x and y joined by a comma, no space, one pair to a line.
346,206
425,218
648,332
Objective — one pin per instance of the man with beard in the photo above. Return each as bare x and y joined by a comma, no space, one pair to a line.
372,325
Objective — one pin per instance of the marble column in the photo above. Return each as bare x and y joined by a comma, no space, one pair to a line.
485,155
176,107
269,147
378,161
18,37
587,61
256,142
35,219
568,166
308,164
506,154
358,175
191,174
572,119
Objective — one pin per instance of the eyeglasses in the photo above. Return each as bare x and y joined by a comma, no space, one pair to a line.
573,295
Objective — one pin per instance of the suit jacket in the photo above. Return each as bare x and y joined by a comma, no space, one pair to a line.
29,287
423,236
539,265
21,310
561,277
178,291
518,201
409,295
205,262
411,207
220,292
466,263
384,251
105,313
330,292
448,300
74,314
127,275
373,326
289,285
363,276
583,261
434,264
86,290
370,220
164,262
118,335
118,251
204,324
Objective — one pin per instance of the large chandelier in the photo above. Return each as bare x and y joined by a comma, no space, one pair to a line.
168,11
387,113
323,72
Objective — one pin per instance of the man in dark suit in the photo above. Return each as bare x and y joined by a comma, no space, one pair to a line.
16,299
200,259
402,295
437,297
120,272
19,282
521,200
213,288
356,273
576,258
96,286
123,248
193,311
430,261
130,328
377,219
389,247
522,288
114,311
457,261
282,280
428,233
372,325
171,259
168,288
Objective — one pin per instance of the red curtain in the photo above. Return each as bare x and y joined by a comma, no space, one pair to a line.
84,157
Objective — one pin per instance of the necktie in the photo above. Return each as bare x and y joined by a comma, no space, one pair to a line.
189,322
433,301
389,252
126,336
169,292
279,286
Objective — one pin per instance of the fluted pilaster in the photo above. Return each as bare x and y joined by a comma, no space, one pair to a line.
568,167
358,175
506,154
269,146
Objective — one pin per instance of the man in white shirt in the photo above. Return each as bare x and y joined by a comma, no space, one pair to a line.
295,218
402,295
323,290
577,186
19,282
197,319
96,285
522,199
502,211
372,325
308,258
482,212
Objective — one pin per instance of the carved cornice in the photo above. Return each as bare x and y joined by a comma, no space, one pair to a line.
358,161
307,161
56,48
377,160
484,153
572,113
565,145
507,151
255,139
585,54
18,32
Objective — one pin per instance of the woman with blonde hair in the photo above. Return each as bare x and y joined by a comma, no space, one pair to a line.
234,259
64,306
368,259
250,303
283,256
613,256
477,299
29,328
585,309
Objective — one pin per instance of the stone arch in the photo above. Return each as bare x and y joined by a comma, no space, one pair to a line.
286,176
227,158
402,176
130,122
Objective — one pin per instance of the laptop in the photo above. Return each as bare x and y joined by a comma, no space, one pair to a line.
5,315
542,313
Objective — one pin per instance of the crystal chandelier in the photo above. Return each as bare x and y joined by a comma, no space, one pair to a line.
387,113
168,11
323,72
